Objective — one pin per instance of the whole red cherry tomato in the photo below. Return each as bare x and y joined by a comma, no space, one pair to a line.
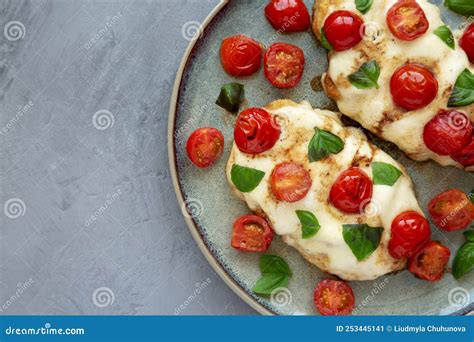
351,191
288,15
290,182
284,65
413,86
205,146
256,131
241,55
448,132
407,20
410,231
430,263
467,42
465,157
251,233
451,210
334,297
343,30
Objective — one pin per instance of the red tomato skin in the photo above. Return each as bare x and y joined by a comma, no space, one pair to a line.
394,15
288,15
343,30
465,157
241,55
256,131
205,146
413,86
448,132
410,231
247,238
467,42
336,288
351,191
284,65
295,174
418,264
451,210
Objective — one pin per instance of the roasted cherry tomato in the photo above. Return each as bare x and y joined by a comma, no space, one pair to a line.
352,191
465,157
251,233
241,55
343,30
333,297
407,20
290,182
451,210
467,42
410,231
284,65
205,146
288,15
429,264
448,132
256,131
413,86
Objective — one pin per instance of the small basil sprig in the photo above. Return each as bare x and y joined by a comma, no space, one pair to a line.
362,239
323,144
463,92
244,178
445,34
464,7
363,6
231,97
464,259
366,77
275,274
325,41
309,224
385,174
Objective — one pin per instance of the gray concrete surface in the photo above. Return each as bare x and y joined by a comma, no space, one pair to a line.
89,221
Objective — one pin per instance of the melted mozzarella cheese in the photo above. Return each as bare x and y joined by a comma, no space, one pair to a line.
327,249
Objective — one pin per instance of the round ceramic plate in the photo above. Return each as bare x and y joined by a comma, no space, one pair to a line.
212,207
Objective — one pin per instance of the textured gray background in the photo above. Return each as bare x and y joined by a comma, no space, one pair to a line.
87,203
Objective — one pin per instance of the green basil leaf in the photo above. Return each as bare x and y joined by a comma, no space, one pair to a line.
463,92
464,7
244,178
324,40
274,264
366,77
231,97
471,195
323,144
385,174
445,34
363,6
469,235
275,274
361,239
309,223
464,260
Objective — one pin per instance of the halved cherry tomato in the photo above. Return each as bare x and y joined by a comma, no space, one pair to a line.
410,231
351,191
343,30
241,55
467,42
413,86
284,65
465,157
251,233
256,131
290,182
451,210
407,20
430,263
205,146
334,297
288,15
448,132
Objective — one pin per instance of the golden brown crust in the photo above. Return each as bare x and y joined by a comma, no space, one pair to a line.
330,88
277,104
